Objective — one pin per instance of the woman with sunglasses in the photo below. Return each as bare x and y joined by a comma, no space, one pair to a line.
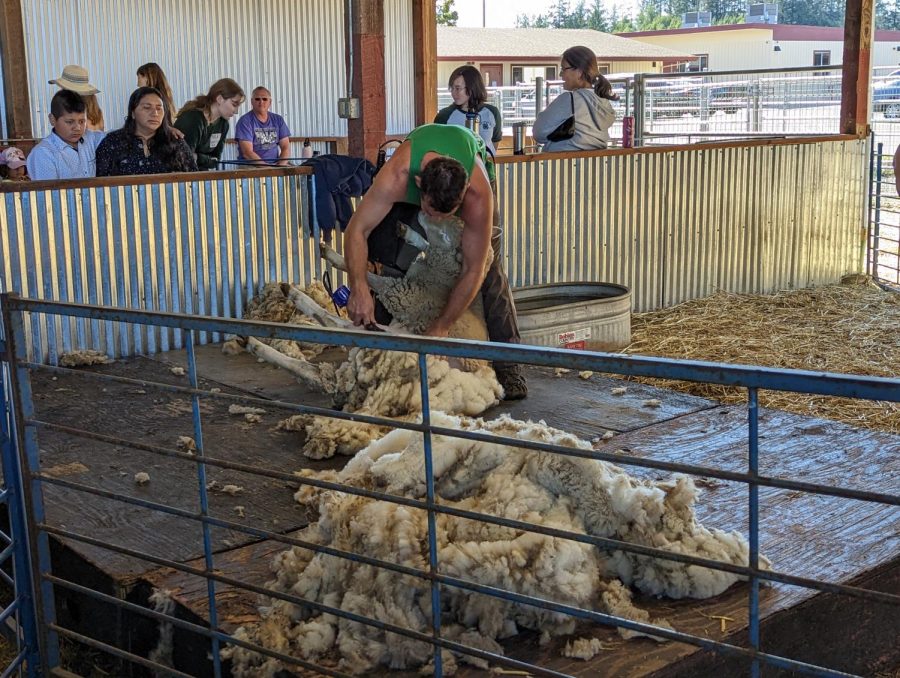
586,98
263,137
469,96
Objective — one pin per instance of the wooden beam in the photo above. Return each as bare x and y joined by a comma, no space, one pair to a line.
15,70
425,60
367,131
858,37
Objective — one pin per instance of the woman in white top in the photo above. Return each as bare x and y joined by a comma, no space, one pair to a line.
469,96
588,93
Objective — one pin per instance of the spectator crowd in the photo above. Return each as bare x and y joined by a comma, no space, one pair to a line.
154,138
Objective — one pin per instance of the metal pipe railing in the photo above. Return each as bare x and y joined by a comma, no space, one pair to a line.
751,378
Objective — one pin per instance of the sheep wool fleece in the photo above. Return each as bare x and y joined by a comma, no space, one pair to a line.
459,143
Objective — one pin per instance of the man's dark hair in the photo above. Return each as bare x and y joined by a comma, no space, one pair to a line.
66,101
444,183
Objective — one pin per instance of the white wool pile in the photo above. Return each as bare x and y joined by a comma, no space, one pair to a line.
581,495
84,358
273,305
387,384
162,602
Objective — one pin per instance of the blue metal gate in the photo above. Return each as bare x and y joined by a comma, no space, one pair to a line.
18,616
884,218
188,327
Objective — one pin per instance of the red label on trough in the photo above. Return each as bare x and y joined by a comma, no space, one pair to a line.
573,338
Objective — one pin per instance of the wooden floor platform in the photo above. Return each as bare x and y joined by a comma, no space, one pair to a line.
807,535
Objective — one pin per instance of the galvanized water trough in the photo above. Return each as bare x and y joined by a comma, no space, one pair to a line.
589,315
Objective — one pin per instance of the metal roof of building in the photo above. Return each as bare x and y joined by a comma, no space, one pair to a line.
454,44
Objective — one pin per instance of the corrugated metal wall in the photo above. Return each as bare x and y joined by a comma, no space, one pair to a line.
398,67
201,248
686,223
294,47
671,226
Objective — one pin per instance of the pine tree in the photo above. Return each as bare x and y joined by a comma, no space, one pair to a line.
446,15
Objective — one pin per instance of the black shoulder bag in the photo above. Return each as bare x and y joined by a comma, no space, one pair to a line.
566,129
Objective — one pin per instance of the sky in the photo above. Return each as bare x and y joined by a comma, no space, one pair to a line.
499,13
503,13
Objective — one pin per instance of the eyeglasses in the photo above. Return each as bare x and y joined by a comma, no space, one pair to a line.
457,88
563,69
260,98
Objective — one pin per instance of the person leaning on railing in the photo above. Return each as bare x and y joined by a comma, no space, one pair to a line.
586,97
204,121
146,143
469,96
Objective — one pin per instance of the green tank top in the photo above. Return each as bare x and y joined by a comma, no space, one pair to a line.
451,140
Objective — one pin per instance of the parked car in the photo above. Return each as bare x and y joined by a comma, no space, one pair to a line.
886,98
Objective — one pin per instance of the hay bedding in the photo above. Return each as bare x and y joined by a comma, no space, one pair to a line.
852,329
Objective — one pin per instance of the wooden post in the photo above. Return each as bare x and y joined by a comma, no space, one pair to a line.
858,36
425,60
367,131
15,71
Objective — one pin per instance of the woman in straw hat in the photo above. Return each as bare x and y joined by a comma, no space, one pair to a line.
204,121
75,78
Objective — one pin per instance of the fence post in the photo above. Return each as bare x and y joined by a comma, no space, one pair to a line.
538,95
29,462
755,106
873,255
26,614
638,109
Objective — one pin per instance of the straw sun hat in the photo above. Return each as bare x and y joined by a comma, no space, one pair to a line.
75,78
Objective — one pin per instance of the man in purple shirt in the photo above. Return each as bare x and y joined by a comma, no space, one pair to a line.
263,136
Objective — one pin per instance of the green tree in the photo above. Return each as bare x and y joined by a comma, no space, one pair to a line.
446,15
650,18
887,15
596,17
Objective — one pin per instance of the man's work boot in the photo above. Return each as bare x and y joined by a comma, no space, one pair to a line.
512,380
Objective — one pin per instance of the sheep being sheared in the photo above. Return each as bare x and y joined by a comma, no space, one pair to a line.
418,298
576,494
382,383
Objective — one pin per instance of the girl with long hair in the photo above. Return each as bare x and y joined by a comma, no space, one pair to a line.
204,121
151,75
587,97
470,98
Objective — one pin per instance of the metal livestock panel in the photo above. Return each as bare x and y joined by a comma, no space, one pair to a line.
295,48
398,67
200,248
686,223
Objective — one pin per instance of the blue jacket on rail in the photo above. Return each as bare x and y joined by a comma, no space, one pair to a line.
337,179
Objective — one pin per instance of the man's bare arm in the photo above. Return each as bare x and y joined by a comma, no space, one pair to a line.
389,187
477,212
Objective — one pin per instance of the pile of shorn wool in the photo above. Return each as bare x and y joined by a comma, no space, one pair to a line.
581,495
848,328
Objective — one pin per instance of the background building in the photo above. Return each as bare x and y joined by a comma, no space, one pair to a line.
509,56
759,45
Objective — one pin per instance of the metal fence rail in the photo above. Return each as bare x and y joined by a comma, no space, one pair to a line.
18,625
752,378
683,108
884,218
